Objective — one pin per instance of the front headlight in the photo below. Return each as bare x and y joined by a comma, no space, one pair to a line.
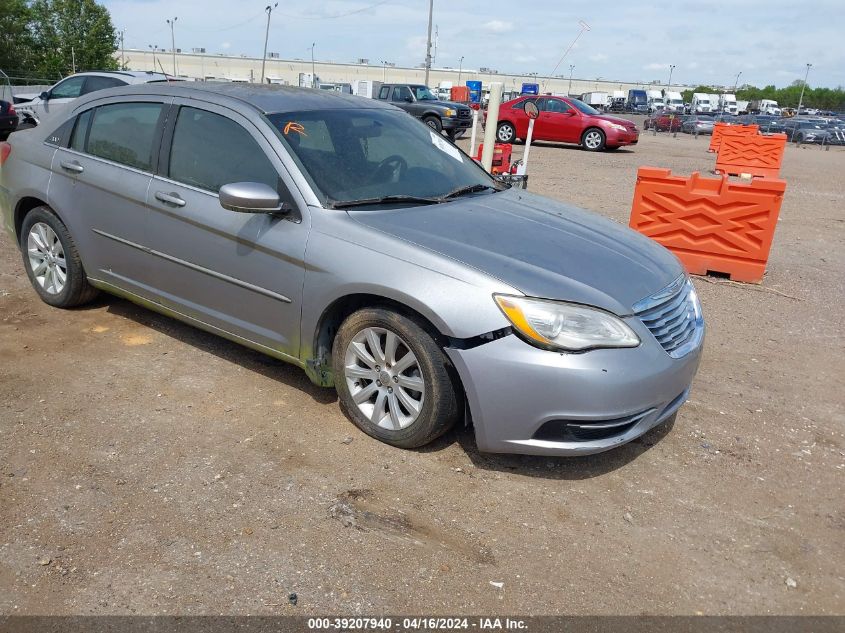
616,126
450,112
565,326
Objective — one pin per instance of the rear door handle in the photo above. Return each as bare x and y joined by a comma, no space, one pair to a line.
170,198
75,167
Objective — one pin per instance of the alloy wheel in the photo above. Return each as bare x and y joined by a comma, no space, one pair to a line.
46,258
506,133
592,139
384,378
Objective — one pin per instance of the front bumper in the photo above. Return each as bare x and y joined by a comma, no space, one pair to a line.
619,138
456,123
526,400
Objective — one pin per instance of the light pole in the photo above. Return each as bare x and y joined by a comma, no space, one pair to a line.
269,10
172,24
313,72
571,68
122,62
804,85
736,81
383,71
671,68
460,68
428,43
154,48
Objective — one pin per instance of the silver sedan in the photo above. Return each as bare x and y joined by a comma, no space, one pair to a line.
343,236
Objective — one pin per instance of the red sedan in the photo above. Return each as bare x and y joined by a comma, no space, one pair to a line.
565,120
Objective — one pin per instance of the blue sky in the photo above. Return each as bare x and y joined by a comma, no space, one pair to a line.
708,41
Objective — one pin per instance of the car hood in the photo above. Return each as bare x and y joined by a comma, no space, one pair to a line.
615,119
539,246
448,104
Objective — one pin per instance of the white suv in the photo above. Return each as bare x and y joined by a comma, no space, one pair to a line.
32,107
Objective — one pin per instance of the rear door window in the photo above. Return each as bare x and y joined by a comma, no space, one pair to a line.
210,150
125,133
68,89
92,84
80,130
382,94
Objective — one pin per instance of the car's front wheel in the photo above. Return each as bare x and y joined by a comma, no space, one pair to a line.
52,261
392,379
593,140
434,123
505,133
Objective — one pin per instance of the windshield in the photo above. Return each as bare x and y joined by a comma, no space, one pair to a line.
353,155
583,107
423,94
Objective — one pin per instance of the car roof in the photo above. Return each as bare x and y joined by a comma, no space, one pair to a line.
265,98
130,76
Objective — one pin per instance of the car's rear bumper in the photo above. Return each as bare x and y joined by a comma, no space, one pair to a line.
526,400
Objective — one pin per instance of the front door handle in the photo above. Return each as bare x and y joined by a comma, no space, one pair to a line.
75,167
170,198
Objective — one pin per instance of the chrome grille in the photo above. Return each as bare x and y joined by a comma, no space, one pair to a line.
673,315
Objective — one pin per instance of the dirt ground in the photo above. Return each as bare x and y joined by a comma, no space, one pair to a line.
149,468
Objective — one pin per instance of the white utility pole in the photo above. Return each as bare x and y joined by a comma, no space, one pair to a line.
269,10
493,102
122,61
671,68
571,68
460,68
428,42
154,48
172,24
313,71
804,85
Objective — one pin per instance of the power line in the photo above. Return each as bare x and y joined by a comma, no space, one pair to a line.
333,17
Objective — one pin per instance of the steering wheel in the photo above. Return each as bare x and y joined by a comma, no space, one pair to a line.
394,166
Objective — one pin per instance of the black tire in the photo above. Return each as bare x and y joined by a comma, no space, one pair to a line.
587,139
505,132
434,123
612,148
441,406
452,134
76,290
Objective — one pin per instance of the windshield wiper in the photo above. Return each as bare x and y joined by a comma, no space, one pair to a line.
344,204
461,191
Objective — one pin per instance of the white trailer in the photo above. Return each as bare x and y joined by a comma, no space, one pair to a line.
596,99
742,107
365,88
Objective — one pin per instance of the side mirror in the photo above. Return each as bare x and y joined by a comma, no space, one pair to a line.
409,99
250,197
44,96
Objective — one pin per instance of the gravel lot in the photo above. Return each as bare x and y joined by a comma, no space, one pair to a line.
147,467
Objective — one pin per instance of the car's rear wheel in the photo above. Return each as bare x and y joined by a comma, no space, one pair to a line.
593,139
505,133
434,123
392,379
52,261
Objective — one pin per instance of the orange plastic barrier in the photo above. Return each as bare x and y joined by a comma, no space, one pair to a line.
711,224
501,157
459,94
757,155
720,128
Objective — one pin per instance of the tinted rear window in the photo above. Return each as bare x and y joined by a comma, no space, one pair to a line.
125,133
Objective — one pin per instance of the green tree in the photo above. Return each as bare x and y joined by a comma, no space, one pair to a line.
72,35
15,37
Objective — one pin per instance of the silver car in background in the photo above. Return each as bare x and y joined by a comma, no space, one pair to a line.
339,234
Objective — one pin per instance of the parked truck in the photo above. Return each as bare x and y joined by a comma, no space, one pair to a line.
637,101
673,101
742,107
655,100
727,103
700,103
617,101
596,99
444,90
764,106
